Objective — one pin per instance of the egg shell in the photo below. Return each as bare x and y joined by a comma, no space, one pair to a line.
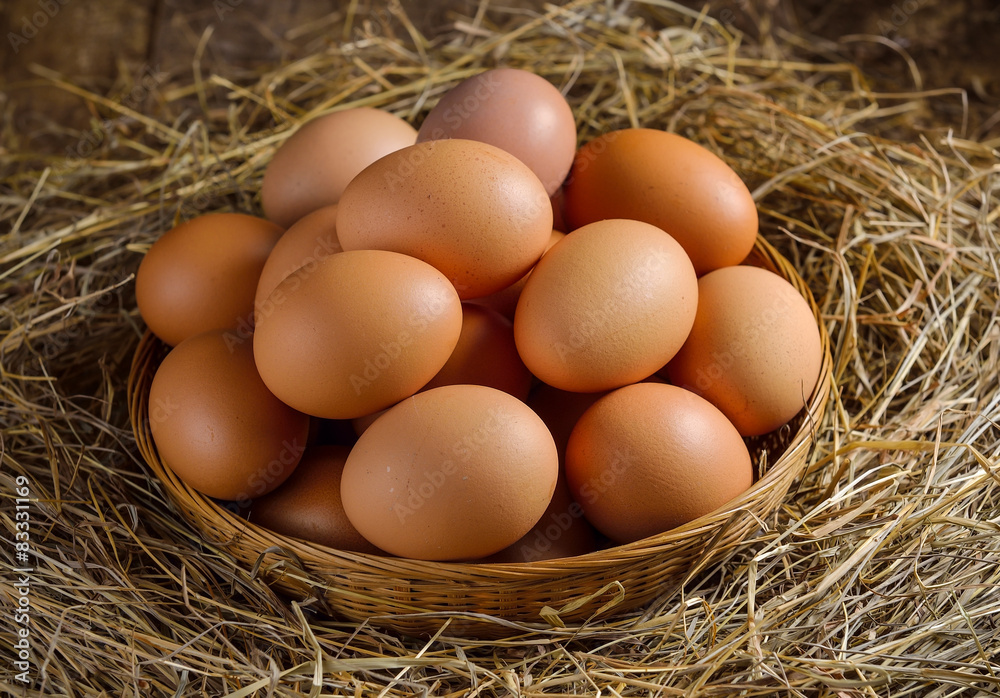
563,531
217,426
649,457
307,243
202,275
515,110
670,182
453,473
356,334
485,355
560,410
558,201
505,300
755,350
473,211
308,504
606,306
313,166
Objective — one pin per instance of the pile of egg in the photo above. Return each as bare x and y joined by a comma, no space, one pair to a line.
475,341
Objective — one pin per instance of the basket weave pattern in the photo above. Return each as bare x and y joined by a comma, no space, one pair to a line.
398,593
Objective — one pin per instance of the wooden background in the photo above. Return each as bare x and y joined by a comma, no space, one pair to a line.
108,45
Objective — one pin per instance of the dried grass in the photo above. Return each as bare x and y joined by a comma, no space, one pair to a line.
876,577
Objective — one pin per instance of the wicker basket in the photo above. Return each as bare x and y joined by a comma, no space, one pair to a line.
407,594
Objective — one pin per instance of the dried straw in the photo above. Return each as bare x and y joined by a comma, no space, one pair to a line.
876,577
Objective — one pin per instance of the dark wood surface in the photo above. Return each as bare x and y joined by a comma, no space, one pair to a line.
110,46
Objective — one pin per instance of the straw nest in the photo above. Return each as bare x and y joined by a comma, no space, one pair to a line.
876,576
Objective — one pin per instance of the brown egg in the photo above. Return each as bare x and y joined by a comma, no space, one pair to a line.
359,333
504,301
563,531
485,355
313,167
604,307
473,211
217,426
202,275
560,410
307,243
754,351
515,110
361,424
671,182
558,201
649,457
457,472
334,432
308,504
313,436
